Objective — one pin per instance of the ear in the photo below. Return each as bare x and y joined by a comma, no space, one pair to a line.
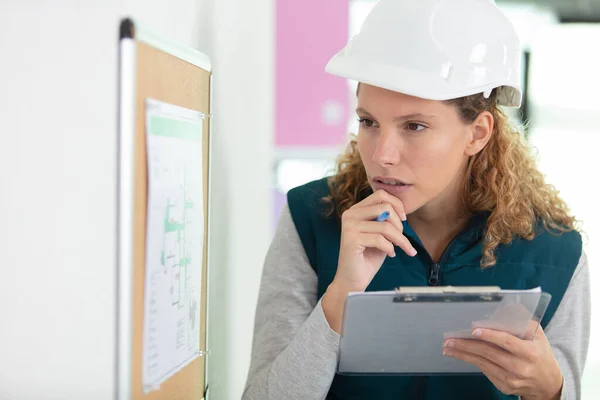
481,132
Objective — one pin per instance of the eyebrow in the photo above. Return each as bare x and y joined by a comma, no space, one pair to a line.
400,118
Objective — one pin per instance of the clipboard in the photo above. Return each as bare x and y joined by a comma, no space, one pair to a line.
401,332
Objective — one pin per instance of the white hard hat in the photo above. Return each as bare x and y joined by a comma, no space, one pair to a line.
435,49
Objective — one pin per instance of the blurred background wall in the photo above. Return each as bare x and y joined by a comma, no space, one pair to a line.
280,122
561,111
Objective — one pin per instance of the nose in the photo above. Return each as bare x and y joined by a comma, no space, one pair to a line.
387,151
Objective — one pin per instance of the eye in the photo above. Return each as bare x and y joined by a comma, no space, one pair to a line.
416,127
367,123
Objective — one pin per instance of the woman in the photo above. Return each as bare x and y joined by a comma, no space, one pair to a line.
467,208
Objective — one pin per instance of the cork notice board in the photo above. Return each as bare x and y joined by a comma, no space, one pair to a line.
153,68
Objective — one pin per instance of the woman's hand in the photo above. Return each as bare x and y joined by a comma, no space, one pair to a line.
364,245
525,368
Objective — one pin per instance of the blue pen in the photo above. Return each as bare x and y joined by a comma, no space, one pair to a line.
383,217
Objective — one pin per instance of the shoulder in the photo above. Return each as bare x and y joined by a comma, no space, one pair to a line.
306,202
309,212
559,245
308,196
561,250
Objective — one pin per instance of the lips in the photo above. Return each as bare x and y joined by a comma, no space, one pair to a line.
389,181
393,186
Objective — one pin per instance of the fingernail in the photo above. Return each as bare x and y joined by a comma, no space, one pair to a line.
477,332
413,252
393,254
404,217
449,344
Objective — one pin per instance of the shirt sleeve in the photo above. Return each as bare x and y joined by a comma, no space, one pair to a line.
294,351
569,330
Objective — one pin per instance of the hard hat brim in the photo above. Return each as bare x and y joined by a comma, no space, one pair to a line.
416,83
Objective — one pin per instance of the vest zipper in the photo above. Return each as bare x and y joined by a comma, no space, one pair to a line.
434,275
434,280
435,267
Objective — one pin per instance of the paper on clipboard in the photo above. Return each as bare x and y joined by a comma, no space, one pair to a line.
512,317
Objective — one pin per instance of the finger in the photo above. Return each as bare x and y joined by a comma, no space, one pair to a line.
505,340
491,352
374,240
406,246
390,233
470,358
540,334
535,332
381,196
502,379
394,201
371,212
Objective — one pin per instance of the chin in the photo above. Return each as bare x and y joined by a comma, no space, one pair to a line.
409,206
410,202
407,195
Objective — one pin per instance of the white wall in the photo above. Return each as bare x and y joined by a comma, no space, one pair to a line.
58,75
242,54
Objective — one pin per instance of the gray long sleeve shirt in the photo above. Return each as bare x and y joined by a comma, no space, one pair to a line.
294,352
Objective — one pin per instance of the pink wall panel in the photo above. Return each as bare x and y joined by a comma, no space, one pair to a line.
311,105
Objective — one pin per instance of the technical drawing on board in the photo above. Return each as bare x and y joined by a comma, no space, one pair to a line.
174,241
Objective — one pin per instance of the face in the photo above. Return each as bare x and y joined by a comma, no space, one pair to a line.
416,149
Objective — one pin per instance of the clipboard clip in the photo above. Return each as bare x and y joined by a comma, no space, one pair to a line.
446,289
447,294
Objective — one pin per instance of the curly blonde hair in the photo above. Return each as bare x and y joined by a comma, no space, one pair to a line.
502,179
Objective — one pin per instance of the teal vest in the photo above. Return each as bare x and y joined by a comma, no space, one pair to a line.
548,260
